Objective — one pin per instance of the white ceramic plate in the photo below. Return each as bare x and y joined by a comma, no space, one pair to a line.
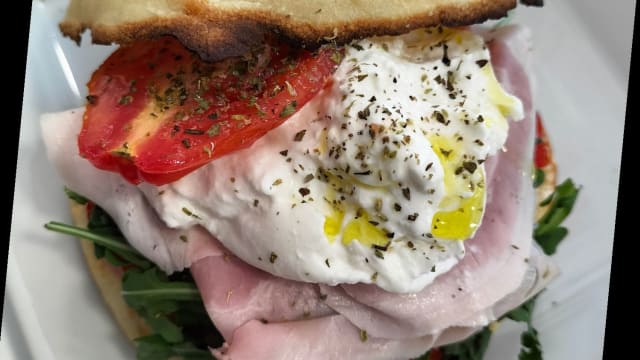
54,311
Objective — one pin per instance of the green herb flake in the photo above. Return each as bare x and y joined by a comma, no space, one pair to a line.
363,335
190,213
289,109
213,130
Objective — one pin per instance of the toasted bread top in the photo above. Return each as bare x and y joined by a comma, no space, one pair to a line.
221,28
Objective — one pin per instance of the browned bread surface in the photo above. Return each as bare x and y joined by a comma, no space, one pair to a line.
221,28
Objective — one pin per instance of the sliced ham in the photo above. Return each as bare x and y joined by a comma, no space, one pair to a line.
262,316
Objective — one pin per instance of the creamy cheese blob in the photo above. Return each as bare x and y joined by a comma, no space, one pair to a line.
378,179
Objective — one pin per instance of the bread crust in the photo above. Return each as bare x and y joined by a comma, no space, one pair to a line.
222,28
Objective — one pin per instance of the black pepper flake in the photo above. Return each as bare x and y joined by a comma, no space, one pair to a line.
433,268
406,192
428,166
308,178
410,244
193,131
299,135
273,257
397,207
412,217
184,238
470,166
284,152
186,143
363,173
378,254
482,63
256,202
445,56
364,114
304,191
439,117
326,262
92,99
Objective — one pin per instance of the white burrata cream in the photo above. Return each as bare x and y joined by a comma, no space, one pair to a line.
378,179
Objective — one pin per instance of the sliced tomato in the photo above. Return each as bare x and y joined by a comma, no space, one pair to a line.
156,111
542,155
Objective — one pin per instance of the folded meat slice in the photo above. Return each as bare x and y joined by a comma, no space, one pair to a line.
123,201
262,316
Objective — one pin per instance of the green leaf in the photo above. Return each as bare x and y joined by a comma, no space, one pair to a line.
142,289
538,178
548,232
473,348
169,331
523,312
152,347
100,222
550,241
113,259
75,196
99,251
531,348
110,242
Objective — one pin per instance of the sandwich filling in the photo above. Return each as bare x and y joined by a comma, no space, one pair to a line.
380,228
378,179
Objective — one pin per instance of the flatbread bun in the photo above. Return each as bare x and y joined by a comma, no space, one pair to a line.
222,28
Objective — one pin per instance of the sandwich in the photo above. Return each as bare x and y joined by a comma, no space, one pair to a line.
326,180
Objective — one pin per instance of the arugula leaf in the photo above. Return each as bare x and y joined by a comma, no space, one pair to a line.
152,287
531,348
153,347
170,305
75,196
473,348
548,233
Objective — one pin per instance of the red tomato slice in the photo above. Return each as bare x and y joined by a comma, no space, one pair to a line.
542,155
156,111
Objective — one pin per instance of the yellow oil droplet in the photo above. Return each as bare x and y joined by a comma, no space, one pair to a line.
461,223
362,230
503,101
448,153
359,228
333,225
460,216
